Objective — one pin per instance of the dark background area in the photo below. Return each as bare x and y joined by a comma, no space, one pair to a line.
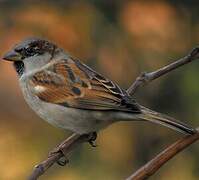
120,39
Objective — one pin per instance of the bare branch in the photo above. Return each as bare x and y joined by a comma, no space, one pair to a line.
152,166
148,77
62,150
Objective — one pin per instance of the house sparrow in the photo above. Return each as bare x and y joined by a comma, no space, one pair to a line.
70,95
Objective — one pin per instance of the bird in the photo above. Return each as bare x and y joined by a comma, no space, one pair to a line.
70,95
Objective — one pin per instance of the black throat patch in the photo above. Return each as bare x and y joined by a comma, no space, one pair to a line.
19,67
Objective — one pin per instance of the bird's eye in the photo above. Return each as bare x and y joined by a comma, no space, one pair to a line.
19,50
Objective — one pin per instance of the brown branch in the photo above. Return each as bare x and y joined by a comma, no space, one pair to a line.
150,168
61,151
148,77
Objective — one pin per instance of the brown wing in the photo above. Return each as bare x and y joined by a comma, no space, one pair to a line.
73,84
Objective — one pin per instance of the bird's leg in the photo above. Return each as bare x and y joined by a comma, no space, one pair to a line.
57,149
64,148
91,139
63,160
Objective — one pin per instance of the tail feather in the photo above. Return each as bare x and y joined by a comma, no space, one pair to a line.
165,120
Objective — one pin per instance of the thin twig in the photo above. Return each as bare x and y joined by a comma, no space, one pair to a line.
152,166
70,143
148,77
62,150
159,160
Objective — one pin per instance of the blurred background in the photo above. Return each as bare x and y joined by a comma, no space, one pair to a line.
120,39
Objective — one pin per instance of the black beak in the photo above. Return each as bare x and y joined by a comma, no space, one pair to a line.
12,56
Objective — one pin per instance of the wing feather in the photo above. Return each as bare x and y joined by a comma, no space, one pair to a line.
73,84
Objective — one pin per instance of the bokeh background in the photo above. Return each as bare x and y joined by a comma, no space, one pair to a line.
121,39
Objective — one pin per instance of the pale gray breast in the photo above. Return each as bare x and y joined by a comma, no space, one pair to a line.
77,120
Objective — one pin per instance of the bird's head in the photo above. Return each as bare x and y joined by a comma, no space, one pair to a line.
32,53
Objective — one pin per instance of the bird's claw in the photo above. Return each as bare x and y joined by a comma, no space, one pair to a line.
62,161
91,139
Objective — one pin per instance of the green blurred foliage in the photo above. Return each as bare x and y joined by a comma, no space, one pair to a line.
120,39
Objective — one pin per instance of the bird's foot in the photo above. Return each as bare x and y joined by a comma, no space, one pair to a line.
63,160
91,139
59,149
